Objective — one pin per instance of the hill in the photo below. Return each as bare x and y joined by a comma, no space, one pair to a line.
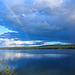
42,47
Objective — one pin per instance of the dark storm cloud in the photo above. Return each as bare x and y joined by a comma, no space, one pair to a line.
51,20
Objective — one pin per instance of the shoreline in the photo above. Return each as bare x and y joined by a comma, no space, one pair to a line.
42,47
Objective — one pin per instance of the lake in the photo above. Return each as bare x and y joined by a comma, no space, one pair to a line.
41,61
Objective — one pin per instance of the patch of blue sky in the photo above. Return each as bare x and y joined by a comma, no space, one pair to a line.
73,1
4,30
29,2
1,20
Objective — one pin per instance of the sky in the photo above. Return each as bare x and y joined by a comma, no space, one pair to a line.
37,22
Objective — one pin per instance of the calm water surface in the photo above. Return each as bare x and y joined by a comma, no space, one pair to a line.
41,62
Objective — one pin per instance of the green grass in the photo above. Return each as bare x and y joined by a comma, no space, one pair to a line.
42,47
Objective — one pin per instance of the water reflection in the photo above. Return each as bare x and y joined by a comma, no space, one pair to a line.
13,55
39,62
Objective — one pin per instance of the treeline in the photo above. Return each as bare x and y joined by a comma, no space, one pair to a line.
42,47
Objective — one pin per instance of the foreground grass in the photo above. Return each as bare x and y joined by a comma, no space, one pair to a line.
42,47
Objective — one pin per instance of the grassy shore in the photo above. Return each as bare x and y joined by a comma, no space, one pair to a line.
42,47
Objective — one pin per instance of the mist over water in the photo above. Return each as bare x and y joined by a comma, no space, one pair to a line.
41,62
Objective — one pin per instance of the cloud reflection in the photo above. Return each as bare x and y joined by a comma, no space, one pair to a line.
12,55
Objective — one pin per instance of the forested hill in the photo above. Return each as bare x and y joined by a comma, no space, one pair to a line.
42,47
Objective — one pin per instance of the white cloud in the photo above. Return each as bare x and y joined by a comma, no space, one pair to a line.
72,16
9,42
50,3
23,15
13,3
55,43
12,42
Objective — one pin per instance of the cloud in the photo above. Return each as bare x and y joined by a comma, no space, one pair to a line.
72,16
12,42
50,3
5,30
16,42
51,20
56,43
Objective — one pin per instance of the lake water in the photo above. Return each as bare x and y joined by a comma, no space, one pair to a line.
41,62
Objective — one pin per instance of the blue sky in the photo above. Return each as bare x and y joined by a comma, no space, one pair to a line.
4,30
42,22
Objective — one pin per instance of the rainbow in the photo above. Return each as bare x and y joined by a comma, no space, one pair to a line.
13,13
